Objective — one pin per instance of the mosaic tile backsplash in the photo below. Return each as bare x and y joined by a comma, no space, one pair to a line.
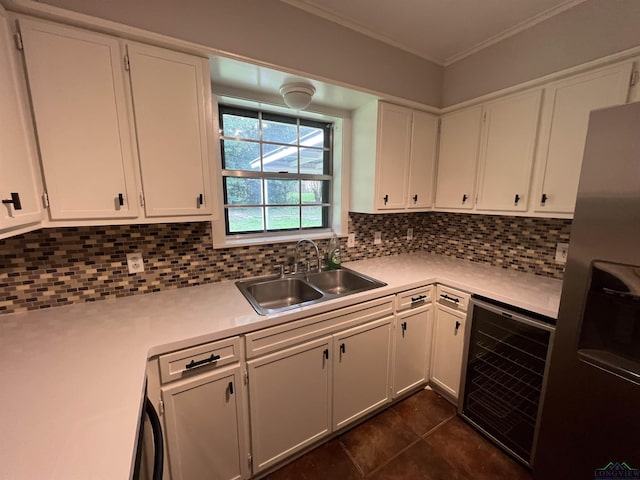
60,266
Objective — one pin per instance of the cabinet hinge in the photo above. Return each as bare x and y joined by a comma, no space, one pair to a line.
45,199
250,460
634,78
127,66
161,408
246,377
141,199
18,39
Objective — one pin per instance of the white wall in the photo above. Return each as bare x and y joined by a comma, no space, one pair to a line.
586,32
274,32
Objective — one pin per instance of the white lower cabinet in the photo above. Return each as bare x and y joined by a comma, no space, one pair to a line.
412,342
290,400
203,426
361,370
448,340
448,344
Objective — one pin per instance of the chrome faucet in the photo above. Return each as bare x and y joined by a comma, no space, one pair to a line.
295,259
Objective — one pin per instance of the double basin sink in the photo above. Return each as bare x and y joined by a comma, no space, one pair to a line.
275,293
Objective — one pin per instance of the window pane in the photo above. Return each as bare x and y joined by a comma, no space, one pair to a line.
315,191
312,161
282,191
279,132
283,218
311,136
241,155
242,220
243,191
278,158
240,127
312,217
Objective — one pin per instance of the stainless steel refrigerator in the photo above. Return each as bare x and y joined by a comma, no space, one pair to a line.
590,424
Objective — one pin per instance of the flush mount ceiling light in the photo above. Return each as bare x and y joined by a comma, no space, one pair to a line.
297,95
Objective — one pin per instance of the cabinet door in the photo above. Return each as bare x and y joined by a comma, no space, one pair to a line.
17,149
290,406
394,138
171,94
509,138
457,160
76,80
571,102
448,345
413,332
361,370
422,163
203,424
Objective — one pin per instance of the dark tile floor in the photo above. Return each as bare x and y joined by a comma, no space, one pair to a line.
418,438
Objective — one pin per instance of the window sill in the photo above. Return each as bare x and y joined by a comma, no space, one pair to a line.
267,240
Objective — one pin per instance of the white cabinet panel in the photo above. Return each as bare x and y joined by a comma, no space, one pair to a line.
448,345
17,149
203,421
77,87
509,138
457,161
570,102
171,95
290,404
412,337
422,162
361,370
394,144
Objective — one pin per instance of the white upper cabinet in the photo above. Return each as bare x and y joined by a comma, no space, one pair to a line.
422,163
567,107
458,158
18,186
171,96
394,151
77,86
509,134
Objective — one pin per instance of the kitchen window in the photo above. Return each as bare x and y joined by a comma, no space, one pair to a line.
276,172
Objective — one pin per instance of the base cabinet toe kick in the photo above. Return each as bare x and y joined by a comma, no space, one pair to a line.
243,406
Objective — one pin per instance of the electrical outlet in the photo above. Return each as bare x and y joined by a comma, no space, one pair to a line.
377,238
351,240
135,262
409,233
562,249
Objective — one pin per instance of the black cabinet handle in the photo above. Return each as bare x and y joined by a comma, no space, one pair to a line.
326,353
230,388
451,299
457,325
15,201
200,200
199,363
544,198
415,198
404,327
386,199
343,348
417,299
464,198
516,199
121,200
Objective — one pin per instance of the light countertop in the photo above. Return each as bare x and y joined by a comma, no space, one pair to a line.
73,376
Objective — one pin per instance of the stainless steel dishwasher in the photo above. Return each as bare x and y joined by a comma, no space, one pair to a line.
504,371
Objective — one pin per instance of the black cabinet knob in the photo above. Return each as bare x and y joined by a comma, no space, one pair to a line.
464,197
15,201
415,198
516,199
386,199
544,198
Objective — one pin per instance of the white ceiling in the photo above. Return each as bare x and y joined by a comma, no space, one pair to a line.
442,31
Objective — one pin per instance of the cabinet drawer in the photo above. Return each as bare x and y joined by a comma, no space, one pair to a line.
414,298
452,298
289,334
215,354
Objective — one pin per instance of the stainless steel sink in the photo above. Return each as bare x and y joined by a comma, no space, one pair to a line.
341,282
271,294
